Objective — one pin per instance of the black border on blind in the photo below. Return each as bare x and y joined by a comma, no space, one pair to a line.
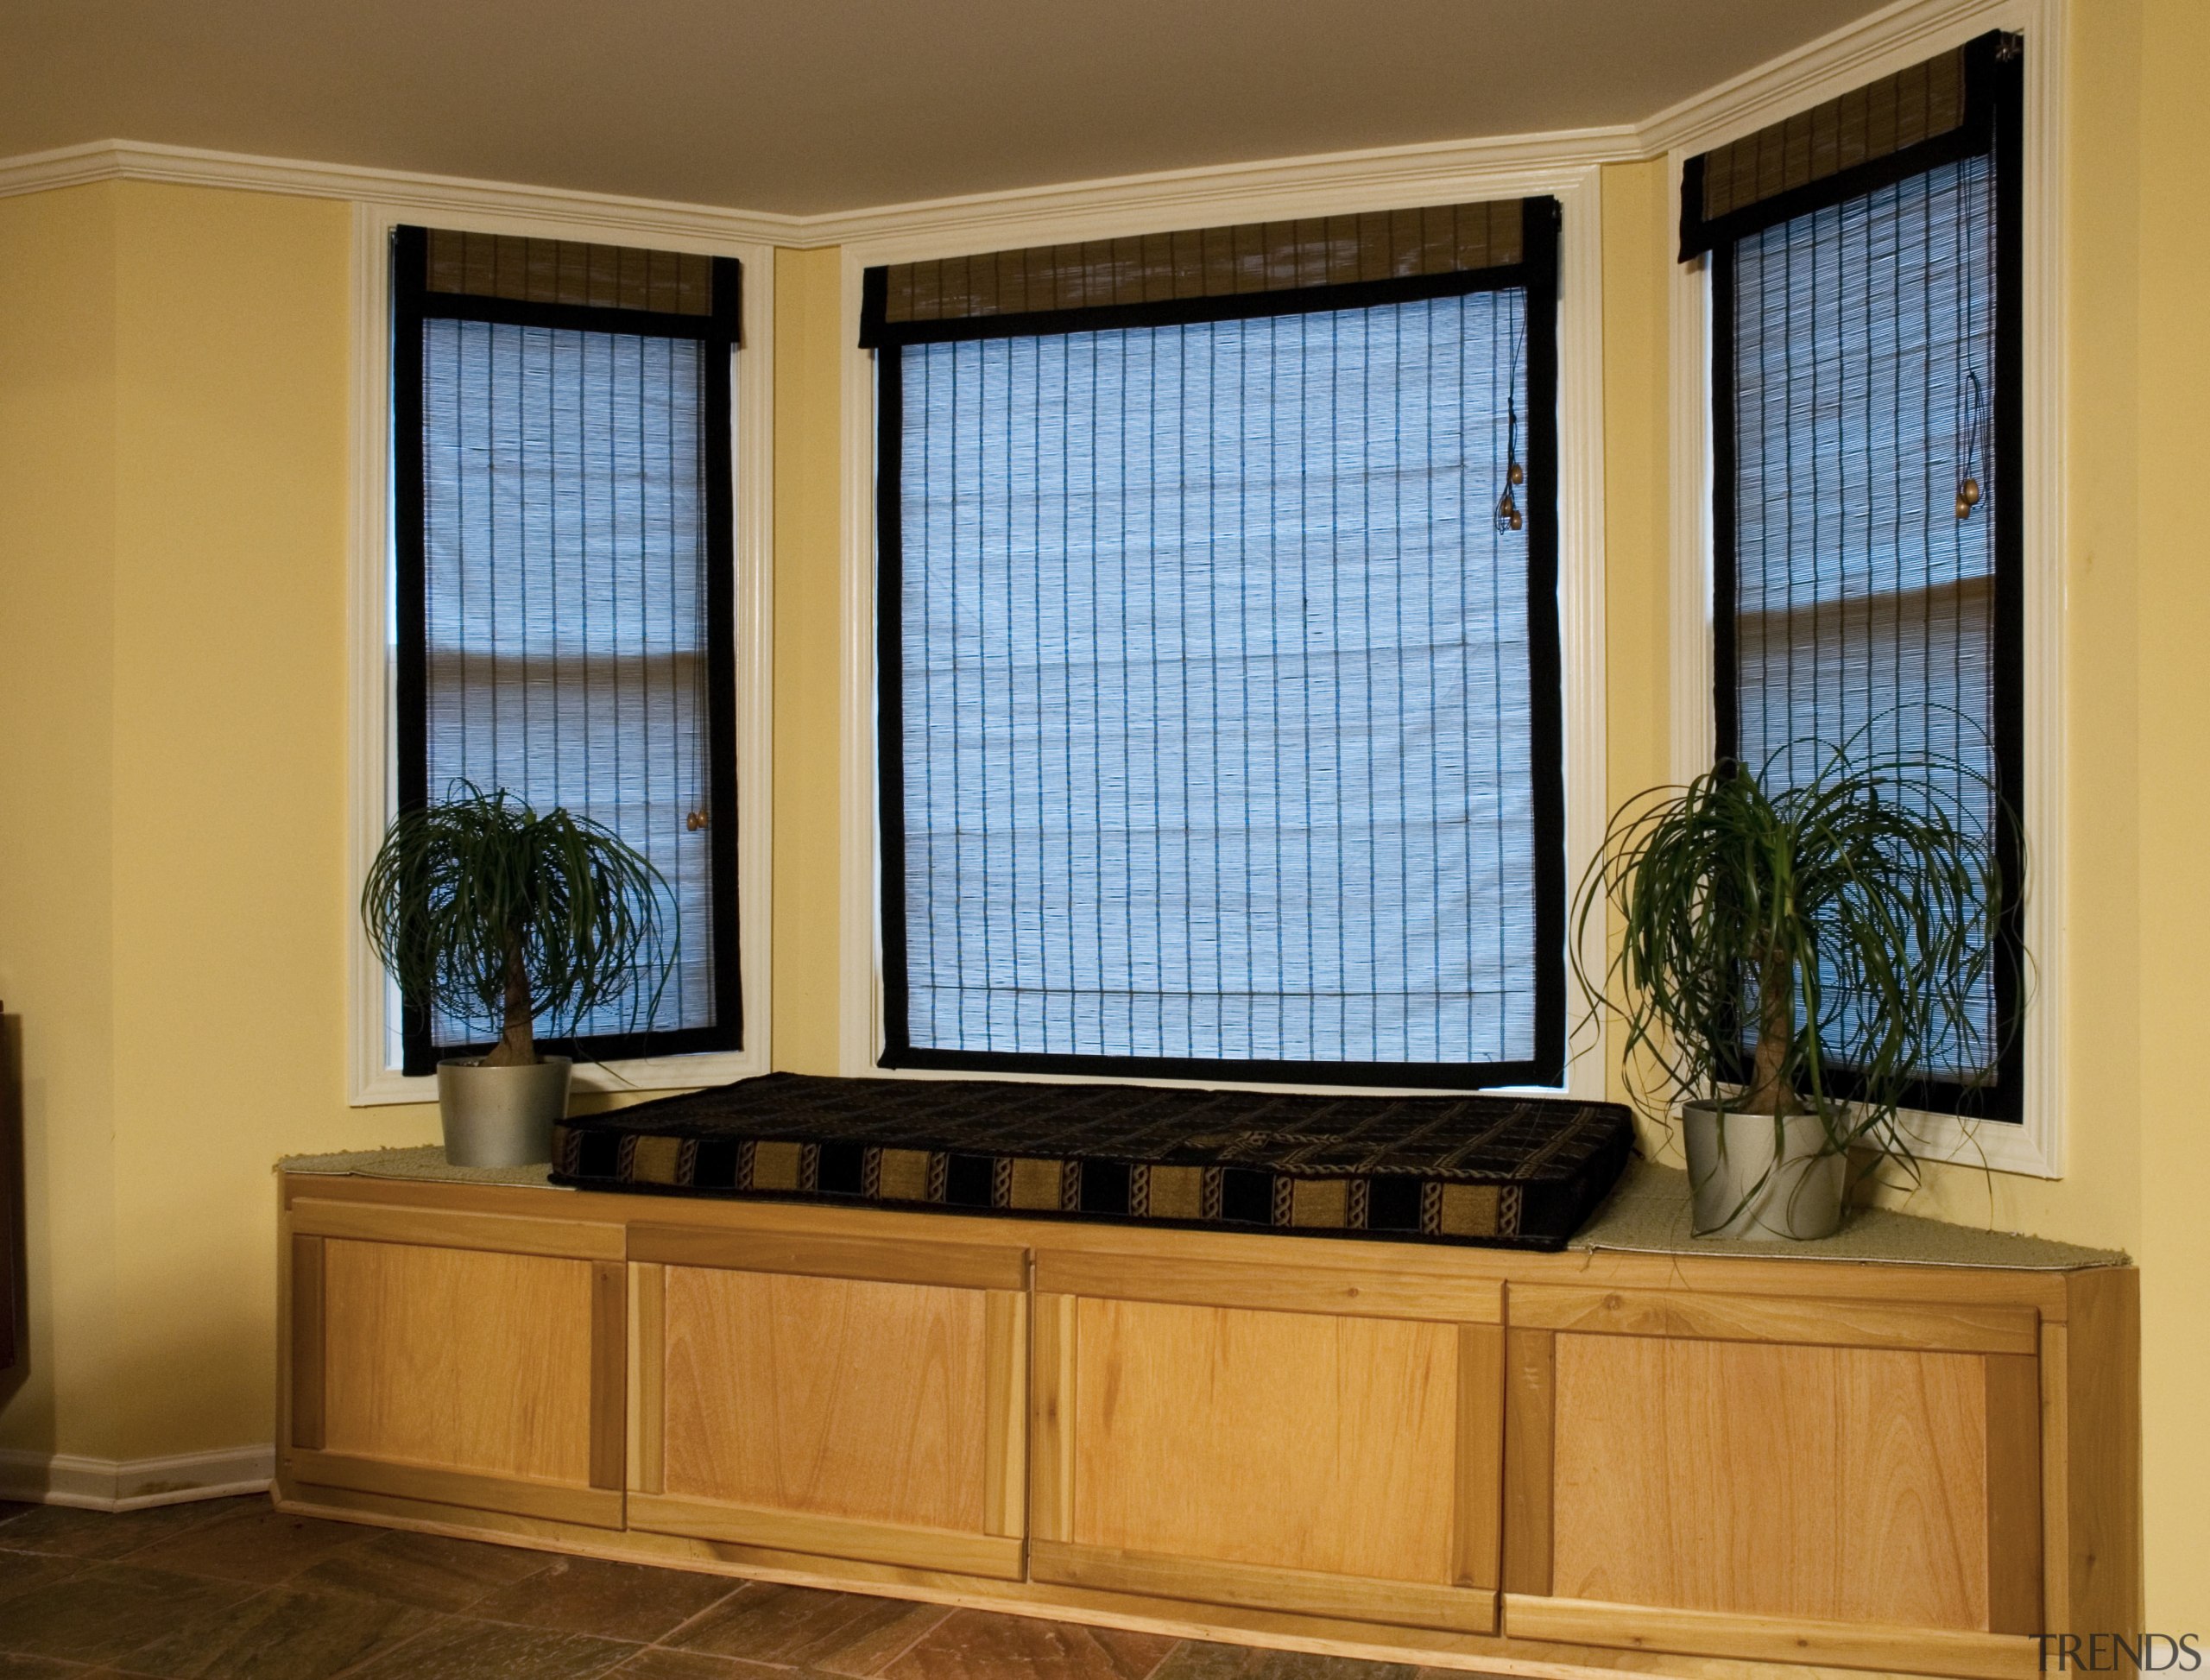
1537,273
877,332
1990,88
412,304
1995,100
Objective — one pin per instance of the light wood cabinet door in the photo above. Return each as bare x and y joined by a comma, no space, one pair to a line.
840,1397
465,1359
1286,1437
1856,1482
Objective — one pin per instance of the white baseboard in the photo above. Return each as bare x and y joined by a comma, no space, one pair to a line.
132,1484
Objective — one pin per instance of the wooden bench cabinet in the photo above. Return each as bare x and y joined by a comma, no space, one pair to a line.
1647,1462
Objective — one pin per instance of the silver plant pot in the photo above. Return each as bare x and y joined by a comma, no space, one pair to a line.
502,1116
1765,1184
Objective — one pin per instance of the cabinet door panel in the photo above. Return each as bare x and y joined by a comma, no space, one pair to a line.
464,1361
866,1416
1320,1442
1339,1464
1826,1483
831,1395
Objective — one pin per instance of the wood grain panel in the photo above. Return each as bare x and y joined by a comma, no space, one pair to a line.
457,1358
1005,1395
1209,1581
1338,1290
948,1550
1830,1484
834,1396
594,1507
1050,1419
438,1227
1531,1361
609,1373
1814,1644
1791,1275
2055,1479
1479,1517
2014,1515
1283,1440
647,1365
960,1265
306,1352
2102,1458
1953,1328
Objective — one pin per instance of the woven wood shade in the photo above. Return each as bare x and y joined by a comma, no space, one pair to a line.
563,271
1210,262
1872,122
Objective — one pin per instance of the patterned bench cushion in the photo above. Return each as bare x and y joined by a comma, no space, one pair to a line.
1506,1172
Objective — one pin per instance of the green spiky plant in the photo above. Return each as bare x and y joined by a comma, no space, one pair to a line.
1837,929
483,908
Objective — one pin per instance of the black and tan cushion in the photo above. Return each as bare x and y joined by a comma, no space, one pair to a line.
1509,1171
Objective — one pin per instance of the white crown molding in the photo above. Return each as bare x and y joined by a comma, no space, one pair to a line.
1380,178
189,165
1870,47
1395,177
132,1484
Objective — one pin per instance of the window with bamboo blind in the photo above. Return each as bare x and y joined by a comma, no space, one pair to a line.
1864,262
1218,663
564,587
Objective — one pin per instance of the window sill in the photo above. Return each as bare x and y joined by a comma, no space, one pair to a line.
649,1073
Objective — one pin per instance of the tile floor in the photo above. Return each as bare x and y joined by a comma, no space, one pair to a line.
230,1589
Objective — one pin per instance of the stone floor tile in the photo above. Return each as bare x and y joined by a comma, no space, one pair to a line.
846,1633
432,1571
281,1634
1198,1659
264,1546
983,1644
69,1532
22,1571
612,1601
660,1663
99,1614
13,1667
461,1648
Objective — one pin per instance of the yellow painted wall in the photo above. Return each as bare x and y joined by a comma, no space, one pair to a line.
2171,599
172,899
172,891
809,649
57,549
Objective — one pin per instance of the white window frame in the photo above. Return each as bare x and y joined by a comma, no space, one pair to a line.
374,1077
1581,535
2034,1147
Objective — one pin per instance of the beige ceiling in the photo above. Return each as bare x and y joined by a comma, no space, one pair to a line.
809,106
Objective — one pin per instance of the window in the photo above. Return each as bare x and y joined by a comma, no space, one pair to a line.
1865,282
1219,706
563,536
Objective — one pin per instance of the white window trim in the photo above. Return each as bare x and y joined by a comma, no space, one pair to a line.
1580,551
2035,1148
372,778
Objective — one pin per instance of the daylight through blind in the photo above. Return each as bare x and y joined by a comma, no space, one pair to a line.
1868,506
571,633
1224,715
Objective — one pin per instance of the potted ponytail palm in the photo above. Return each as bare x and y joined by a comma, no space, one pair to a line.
491,914
1792,963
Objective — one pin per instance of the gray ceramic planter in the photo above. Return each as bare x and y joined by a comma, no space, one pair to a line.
502,1116
1755,1180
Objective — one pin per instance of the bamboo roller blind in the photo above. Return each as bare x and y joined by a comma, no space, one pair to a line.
1210,262
497,265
